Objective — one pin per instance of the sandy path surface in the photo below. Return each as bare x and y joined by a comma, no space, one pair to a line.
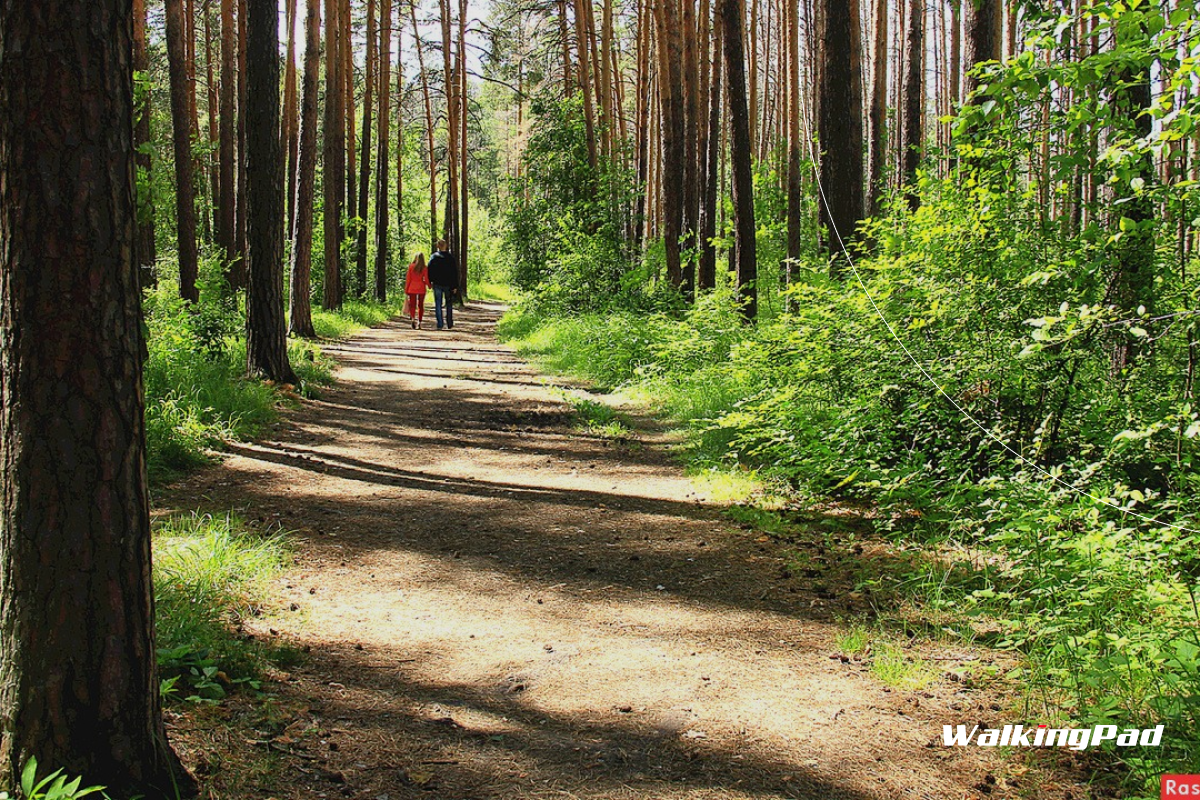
499,606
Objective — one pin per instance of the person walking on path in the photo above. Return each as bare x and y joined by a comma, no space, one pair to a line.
415,284
443,275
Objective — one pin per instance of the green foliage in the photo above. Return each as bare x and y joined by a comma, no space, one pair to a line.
196,396
598,419
565,236
209,574
1003,408
55,786
353,316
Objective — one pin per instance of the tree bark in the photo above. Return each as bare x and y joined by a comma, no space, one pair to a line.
400,230
364,170
879,135
464,152
741,145
707,272
450,82
239,274
291,116
840,124
672,130
642,128
914,103
266,339
147,248
334,175
433,226
795,144
210,162
185,203
79,688
565,40
955,54
227,161
381,158
349,110
691,141
984,22
585,80
300,296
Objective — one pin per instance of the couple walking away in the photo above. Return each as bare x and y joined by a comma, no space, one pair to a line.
441,275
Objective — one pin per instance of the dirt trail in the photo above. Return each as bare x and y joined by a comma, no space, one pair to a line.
498,606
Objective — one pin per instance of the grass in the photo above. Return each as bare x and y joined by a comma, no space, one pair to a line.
892,667
486,290
598,419
197,394
211,573
354,316
855,640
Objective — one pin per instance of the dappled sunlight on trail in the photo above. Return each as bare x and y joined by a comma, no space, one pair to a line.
499,605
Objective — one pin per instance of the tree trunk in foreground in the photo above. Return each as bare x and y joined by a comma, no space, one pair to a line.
266,341
78,681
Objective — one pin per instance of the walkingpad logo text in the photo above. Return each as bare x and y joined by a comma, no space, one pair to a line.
1044,736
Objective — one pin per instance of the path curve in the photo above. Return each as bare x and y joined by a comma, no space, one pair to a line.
498,606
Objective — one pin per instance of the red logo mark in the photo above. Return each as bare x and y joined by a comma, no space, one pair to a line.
1179,787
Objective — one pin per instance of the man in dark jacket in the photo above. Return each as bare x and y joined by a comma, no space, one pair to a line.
443,274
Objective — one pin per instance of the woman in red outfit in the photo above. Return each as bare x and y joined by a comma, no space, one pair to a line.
415,285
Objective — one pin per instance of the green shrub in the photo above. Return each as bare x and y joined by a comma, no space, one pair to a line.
1010,345
209,574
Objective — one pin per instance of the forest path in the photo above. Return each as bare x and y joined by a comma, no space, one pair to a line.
499,606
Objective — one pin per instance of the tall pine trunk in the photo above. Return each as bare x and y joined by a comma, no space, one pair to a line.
146,246
185,203
877,183
670,59
707,272
464,152
984,24
741,145
266,340
795,145
79,688
914,105
334,174
364,170
300,296
291,116
239,272
227,156
840,124
381,158
450,225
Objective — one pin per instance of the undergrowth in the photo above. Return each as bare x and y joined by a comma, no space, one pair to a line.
1073,567
210,574
353,316
197,393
